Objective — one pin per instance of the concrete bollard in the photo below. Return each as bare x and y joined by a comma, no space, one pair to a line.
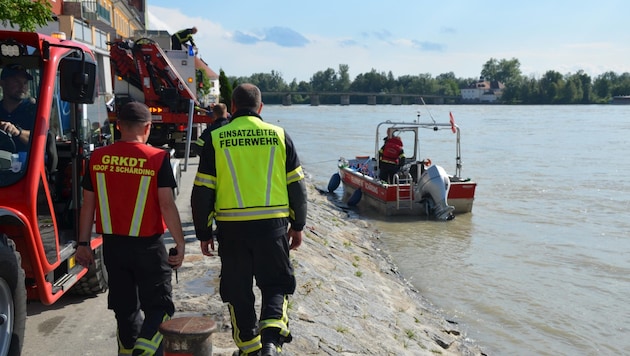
188,336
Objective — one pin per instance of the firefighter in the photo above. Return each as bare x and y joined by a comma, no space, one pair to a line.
183,36
138,265
391,158
221,117
250,180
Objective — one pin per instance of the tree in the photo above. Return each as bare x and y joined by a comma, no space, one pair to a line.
372,82
324,81
504,71
268,82
343,82
225,88
27,15
203,83
603,85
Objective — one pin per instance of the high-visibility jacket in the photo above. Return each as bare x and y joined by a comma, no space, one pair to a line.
251,181
124,176
185,35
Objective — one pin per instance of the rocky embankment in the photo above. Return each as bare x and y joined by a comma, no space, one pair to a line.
350,299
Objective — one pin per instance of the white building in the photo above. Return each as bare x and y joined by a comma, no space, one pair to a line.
483,91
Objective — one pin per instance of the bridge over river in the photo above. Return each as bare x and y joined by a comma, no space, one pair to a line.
317,98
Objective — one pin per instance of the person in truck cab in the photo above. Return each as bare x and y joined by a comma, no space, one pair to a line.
17,109
17,113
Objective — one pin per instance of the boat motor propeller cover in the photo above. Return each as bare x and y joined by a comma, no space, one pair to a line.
436,183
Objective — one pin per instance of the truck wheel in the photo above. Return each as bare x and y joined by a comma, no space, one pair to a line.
12,299
95,281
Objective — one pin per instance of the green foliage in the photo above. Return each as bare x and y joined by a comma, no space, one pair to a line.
225,89
203,83
27,15
552,88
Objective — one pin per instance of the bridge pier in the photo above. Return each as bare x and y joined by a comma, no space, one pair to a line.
371,100
345,99
314,100
286,100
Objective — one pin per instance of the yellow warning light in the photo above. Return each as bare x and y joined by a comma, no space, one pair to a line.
190,79
59,35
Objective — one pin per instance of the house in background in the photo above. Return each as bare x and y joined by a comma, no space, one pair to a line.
214,94
483,91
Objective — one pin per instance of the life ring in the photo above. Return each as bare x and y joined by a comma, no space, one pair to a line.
427,162
334,182
355,198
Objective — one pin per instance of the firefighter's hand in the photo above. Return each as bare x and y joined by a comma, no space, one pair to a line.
176,260
9,128
207,246
295,239
84,256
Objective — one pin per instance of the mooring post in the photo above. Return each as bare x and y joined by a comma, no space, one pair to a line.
188,336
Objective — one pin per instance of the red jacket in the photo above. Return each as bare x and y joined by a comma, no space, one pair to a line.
124,176
392,151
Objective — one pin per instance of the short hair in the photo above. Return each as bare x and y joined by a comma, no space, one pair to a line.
219,110
247,96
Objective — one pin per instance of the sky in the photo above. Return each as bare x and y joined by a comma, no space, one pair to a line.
407,37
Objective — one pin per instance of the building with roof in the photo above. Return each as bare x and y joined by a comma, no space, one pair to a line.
483,91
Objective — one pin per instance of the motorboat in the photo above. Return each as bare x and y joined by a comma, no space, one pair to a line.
421,187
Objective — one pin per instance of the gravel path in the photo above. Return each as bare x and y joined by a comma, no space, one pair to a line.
350,299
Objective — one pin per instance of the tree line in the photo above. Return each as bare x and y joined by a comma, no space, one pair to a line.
552,88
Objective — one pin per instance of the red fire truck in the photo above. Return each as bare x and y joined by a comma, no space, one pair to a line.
165,81
40,172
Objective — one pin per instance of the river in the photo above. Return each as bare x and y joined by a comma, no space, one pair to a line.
542,264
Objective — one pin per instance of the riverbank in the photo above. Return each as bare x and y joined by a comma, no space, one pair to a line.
350,298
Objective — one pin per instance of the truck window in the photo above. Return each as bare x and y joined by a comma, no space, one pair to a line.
19,84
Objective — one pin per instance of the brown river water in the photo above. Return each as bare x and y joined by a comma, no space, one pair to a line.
542,264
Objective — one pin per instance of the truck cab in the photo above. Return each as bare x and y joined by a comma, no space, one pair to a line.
47,94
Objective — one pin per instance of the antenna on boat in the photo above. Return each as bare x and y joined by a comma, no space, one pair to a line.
429,111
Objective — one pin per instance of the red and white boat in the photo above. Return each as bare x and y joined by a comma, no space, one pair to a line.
420,188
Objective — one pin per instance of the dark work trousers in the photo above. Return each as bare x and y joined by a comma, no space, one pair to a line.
175,44
387,171
266,259
139,279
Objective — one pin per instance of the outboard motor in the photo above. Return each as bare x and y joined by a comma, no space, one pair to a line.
435,183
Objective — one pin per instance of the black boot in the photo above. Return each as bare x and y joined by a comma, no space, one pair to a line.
270,349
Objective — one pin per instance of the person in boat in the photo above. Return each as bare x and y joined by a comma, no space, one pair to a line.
391,158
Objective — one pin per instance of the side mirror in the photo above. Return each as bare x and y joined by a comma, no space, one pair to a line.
77,80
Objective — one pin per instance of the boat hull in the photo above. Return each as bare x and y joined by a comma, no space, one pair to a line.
401,199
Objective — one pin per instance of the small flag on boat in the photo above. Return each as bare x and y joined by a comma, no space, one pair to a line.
452,121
